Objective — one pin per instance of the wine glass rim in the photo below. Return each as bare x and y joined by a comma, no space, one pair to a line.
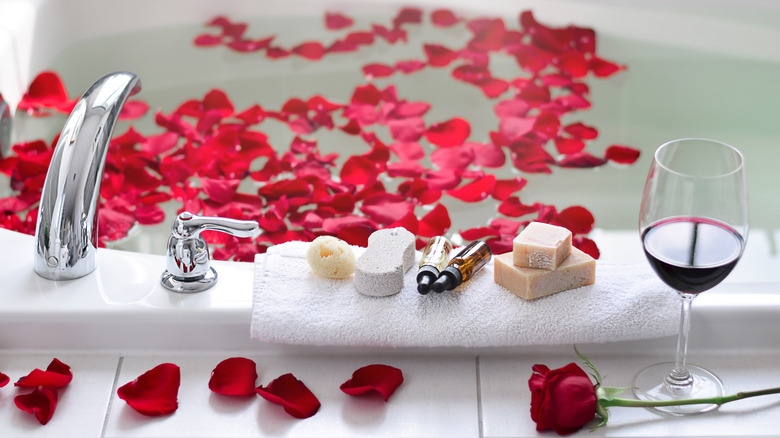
736,151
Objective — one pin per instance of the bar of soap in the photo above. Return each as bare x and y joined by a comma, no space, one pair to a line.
331,257
541,246
579,269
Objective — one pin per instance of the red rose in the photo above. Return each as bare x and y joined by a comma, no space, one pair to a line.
563,400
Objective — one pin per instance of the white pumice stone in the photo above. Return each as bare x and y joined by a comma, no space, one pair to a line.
379,272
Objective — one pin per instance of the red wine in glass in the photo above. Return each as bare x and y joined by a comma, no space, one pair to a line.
693,223
692,254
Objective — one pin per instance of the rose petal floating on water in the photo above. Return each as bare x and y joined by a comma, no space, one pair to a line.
154,392
476,190
435,223
379,378
377,70
479,233
439,55
234,376
622,154
313,50
4,379
443,18
513,207
581,160
451,133
337,20
603,68
581,131
41,402
487,154
577,219
565,145
289,392
504,188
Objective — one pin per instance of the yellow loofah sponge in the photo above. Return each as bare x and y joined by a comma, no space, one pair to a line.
331,257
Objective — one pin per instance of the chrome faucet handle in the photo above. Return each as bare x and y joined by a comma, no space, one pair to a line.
187,257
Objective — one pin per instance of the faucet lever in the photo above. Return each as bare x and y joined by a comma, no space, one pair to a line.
187,257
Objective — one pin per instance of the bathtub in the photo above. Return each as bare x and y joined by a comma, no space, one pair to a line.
695,69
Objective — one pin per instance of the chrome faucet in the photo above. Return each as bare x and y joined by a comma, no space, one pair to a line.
66,233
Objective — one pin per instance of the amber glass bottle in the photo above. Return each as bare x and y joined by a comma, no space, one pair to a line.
463,266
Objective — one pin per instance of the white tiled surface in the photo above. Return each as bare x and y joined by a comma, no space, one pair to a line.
442,395
438,398
82,405
506,399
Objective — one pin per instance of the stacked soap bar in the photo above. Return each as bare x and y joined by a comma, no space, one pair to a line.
543,262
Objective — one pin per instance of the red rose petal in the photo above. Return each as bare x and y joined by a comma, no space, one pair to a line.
443,18
513,207
581,131
377,70
313,50
506,226
386,208
154,392
488,34
409,66
296,399
488,155
149,214
492,87
57,375
407,130
622,154
581,160
133,109
41,402
45,90
435,223
383,379
577,219
513,128
453,158
476,190
547,125
451,133
234,376
408,150
359,170
566,145
408,15
438,55
587,246
207,40
603,68
336,21
4,379
479,233
505,188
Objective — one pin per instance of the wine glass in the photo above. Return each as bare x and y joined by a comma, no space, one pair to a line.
693,222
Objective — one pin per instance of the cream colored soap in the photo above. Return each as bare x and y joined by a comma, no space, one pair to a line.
579,269
541,246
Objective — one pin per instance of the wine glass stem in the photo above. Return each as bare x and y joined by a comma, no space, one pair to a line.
679,380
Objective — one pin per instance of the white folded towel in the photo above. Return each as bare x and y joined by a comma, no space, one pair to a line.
293,305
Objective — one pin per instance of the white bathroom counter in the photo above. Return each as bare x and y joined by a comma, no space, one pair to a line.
113,325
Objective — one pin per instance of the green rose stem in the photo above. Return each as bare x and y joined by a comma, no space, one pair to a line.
626,402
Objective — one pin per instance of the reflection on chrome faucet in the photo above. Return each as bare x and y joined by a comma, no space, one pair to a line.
66,232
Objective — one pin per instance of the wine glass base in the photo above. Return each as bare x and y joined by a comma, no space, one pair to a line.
649,384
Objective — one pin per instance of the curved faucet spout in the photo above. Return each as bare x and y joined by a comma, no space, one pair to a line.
66,233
